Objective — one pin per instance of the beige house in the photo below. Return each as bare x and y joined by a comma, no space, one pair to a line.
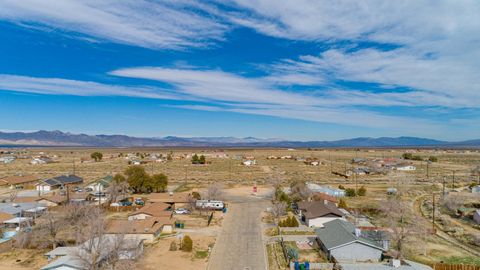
158,209
147,229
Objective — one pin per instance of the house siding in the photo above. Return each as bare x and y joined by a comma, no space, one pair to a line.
139,216
356,252
476,217
318,222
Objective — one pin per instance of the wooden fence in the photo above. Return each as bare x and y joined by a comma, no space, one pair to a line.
441,266
122,208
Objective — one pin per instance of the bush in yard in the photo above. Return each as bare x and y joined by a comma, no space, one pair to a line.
341,187
196,195
187,243
342,203
350,192
362,191
293,222
173,246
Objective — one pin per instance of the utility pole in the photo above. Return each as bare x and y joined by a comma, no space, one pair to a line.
356,186
443,186
73,165
433,213
453,179
427,169
331,165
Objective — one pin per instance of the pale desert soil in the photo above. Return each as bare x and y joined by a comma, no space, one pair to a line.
158,255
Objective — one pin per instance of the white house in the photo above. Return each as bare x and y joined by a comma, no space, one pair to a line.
100,185
317,213
7,159
406,168
249,162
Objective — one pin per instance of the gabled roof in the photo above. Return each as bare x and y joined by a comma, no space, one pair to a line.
143,226
68,260
338,232
105,181
158,209
18,179
5,216
17,208
317,209
63,180
320,196
169,197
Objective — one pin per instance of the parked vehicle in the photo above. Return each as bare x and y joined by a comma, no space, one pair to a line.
209,204
126,203
181,211
139,201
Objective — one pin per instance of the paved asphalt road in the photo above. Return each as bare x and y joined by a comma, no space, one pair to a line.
240,245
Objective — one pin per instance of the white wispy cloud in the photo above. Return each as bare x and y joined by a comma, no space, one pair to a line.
261,96
150,24
57,86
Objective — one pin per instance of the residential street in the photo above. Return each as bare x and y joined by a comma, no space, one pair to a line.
240,244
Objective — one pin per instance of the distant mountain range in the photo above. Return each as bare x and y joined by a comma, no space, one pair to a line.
59,138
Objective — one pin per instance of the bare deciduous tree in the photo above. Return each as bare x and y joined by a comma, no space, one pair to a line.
399,216
50,225
279,208
299,191
214,192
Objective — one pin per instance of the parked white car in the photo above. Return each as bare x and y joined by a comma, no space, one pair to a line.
181,211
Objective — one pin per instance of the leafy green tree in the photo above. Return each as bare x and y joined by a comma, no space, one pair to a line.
341,187
195,159
97,156
158,182
342,203
119,178
350,192
362,191
137,178
419,158
187,243
202,160
407,156
433,159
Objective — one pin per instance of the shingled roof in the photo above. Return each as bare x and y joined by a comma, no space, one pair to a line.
18,179
319,209
339,232
158,209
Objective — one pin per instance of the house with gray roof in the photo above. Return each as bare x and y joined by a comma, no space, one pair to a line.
80,257
58,182
342,242
404,265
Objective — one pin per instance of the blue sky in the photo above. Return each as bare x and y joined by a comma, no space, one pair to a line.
307,70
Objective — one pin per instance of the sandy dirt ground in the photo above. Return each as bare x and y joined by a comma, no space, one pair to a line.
22,259
158,256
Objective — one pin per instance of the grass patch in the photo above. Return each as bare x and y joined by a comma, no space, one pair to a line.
298,232
462,260
201,254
